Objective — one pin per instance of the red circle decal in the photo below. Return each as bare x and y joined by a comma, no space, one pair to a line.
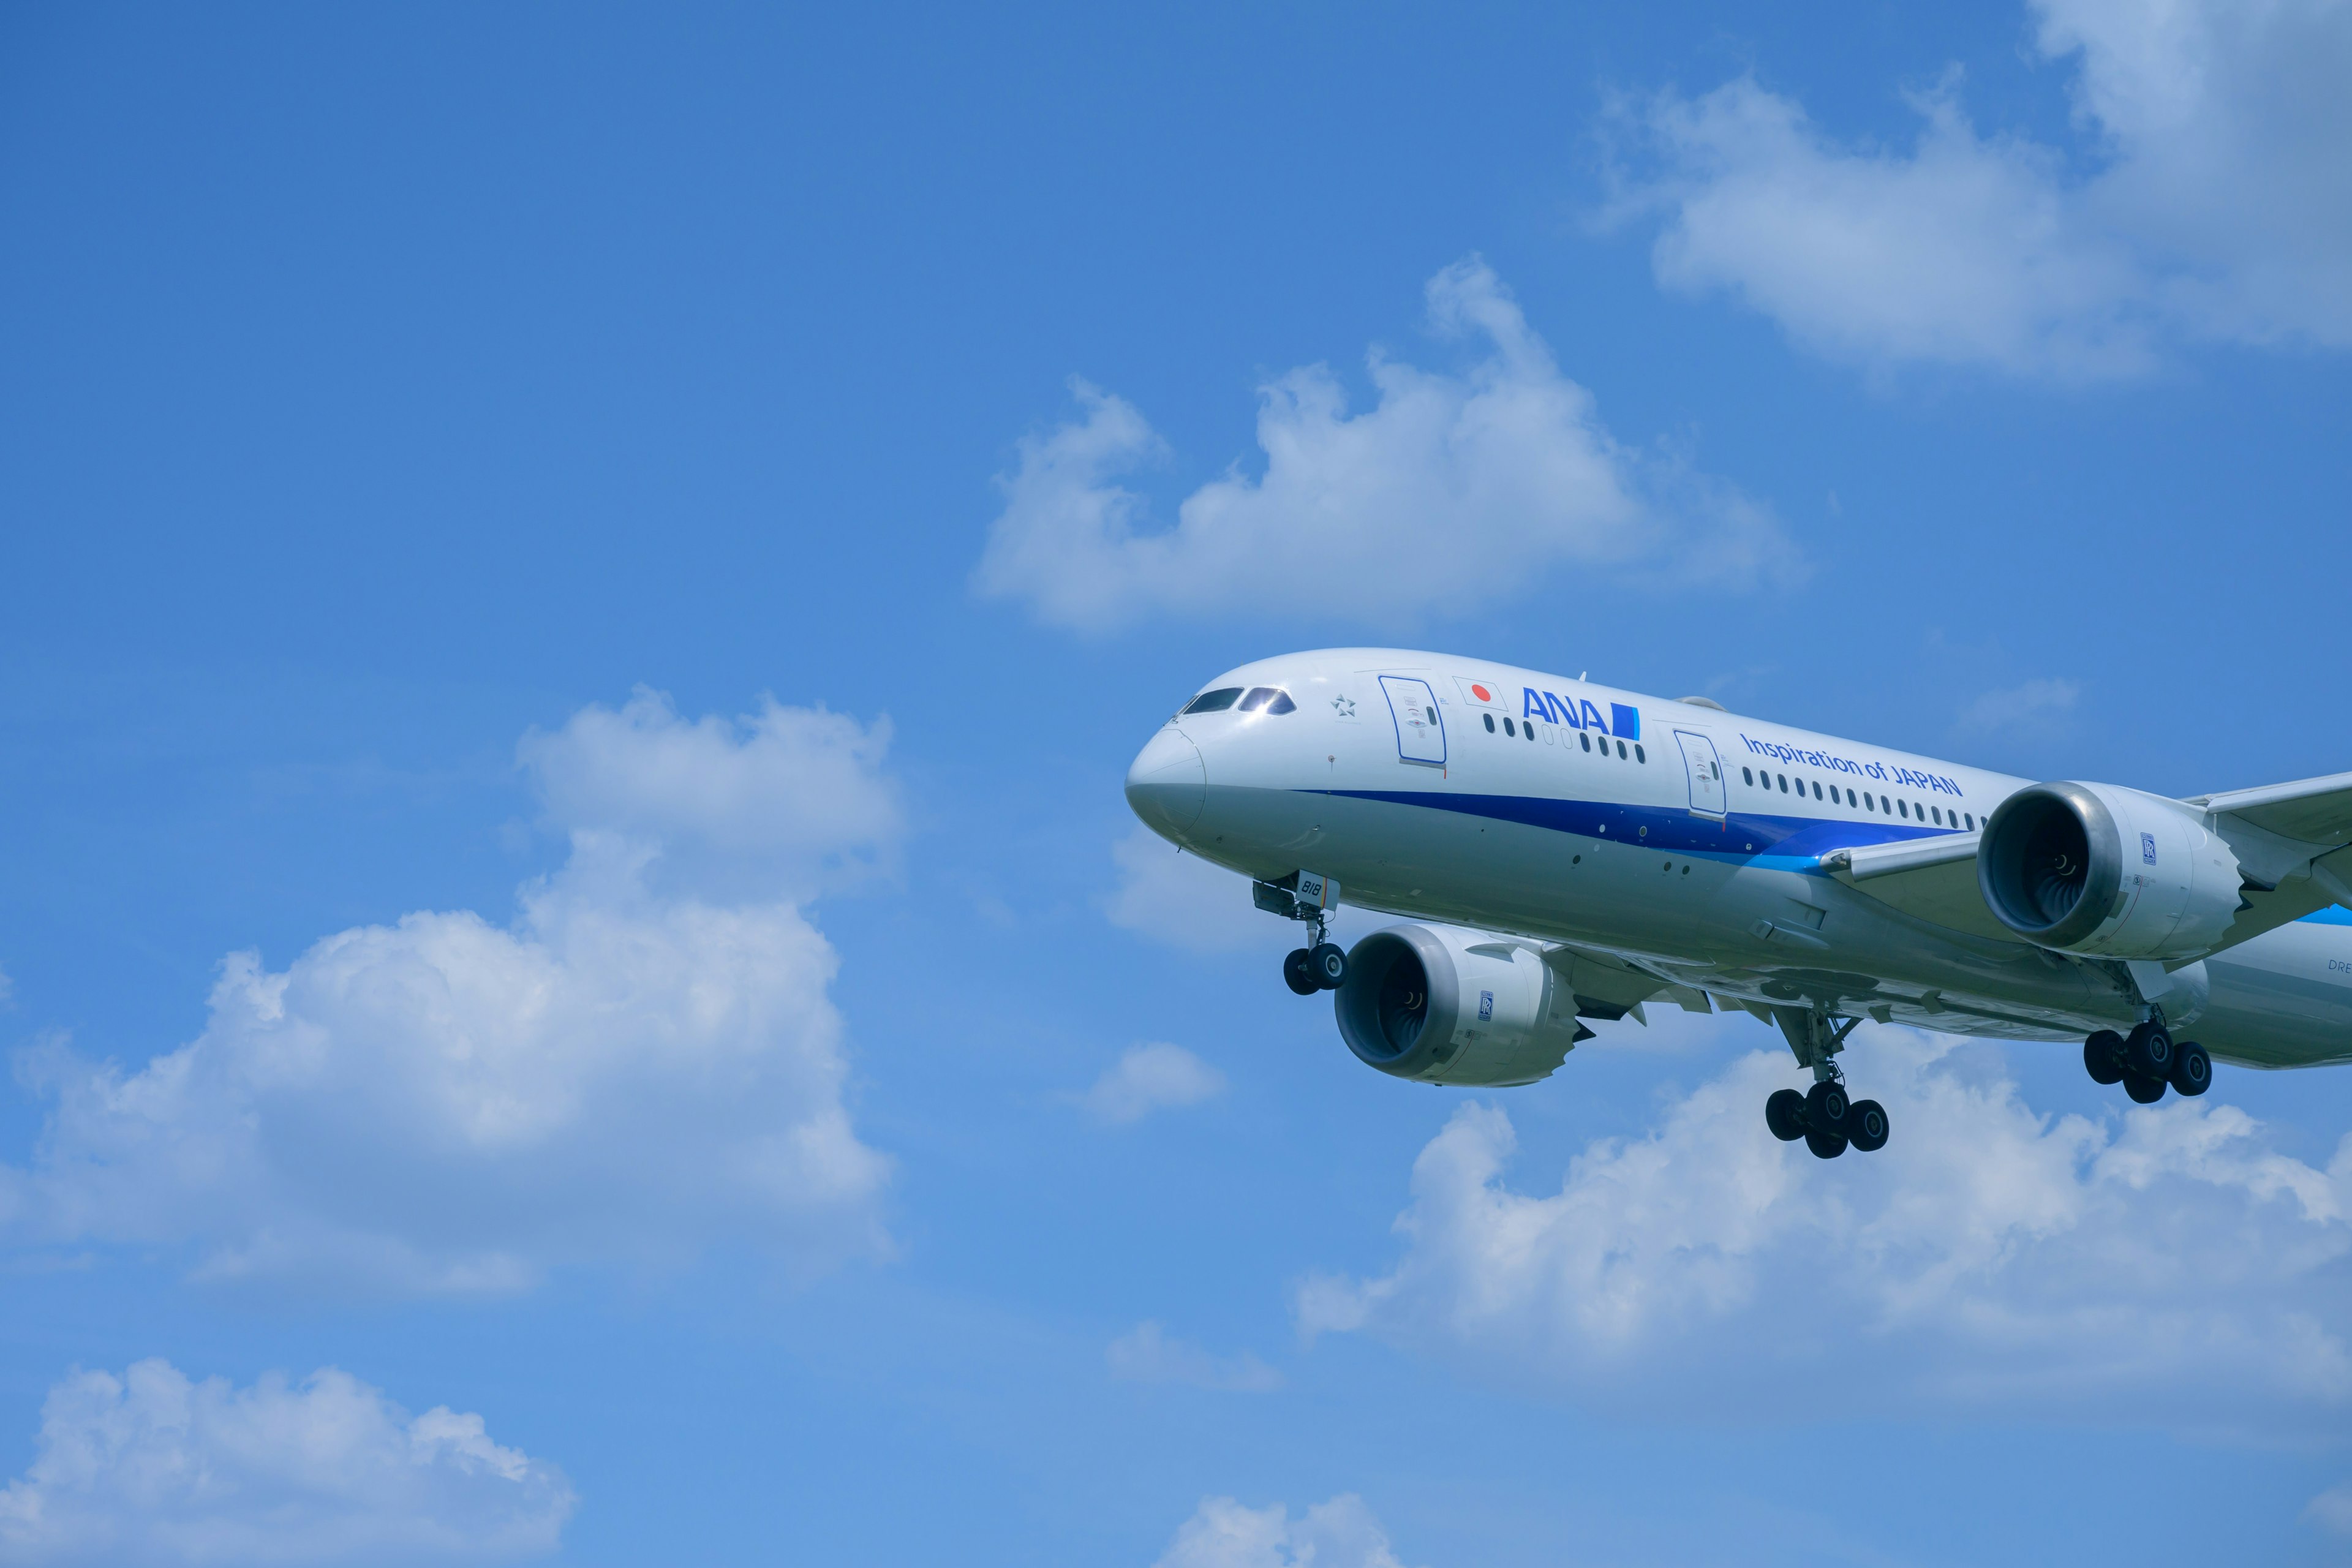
1481,693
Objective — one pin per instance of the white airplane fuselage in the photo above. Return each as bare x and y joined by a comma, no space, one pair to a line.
1684,839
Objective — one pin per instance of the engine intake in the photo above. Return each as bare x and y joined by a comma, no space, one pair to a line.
1442,1005
2097,870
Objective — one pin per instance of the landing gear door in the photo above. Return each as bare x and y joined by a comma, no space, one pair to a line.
1707,795
1421,734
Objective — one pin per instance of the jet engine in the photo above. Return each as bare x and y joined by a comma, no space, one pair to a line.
1441,1004
2096,870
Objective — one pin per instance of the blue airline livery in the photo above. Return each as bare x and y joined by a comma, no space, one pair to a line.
1565,854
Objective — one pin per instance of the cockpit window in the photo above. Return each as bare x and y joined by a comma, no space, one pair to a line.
1216,701
1268,700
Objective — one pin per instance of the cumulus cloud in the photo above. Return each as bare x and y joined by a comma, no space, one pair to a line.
1149,1078
1451,489
1182,899
771,800
1222,1533
151,1467
2216,205
2028,706
2332,1509
2174,1267
626,1072
1147,1354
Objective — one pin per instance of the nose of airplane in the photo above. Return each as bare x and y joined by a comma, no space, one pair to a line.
1167,784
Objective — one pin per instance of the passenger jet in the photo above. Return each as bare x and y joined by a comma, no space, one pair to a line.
1566,853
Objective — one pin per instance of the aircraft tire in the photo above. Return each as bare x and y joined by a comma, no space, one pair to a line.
1865,1122
2146,1090
1826,1110
2147,1052
1329,965
1784,1114
2103,1057
1825,1145
2192,1068
1298,972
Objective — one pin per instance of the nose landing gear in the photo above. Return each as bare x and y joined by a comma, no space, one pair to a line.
1321,964
2146,1060
1824,1116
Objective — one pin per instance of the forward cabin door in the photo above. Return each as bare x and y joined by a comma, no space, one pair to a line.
1708,796
1421,734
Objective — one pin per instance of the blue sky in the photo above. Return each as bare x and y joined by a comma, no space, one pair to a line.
578,587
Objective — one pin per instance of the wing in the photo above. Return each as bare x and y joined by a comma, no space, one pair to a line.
1932,880
2310,811
2293,841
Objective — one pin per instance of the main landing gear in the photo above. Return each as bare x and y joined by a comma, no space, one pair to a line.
2148,1059
1824,1116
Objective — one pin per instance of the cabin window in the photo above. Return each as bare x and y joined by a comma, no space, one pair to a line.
1507,730
1640,755
1216,701
1784,782
1972,822
1490,723
1817,789
1901,809
1620,750
1749,776
1531,729
1587,740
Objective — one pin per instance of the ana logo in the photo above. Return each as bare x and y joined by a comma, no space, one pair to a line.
1481,693
1486,1007
2147,847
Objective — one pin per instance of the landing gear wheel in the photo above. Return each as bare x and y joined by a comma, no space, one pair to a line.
2192,1068
1329,965
1784,1114
1865,1125
1298,972
1825,1145
1826,1110
2147,1052
2103,1056
2147,1091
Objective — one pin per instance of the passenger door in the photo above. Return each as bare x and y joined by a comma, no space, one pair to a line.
1707,795
1421,734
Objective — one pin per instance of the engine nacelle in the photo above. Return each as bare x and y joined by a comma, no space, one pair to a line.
1441,1004
2096,870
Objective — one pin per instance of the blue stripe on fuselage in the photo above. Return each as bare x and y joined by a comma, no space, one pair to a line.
1740,836
2333,915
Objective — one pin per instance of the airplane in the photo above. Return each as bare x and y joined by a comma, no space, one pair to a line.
1565,853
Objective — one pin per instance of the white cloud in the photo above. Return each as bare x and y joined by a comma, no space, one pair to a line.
1184,900
1452,488
2177,1270
1222,1533
2332,1509
1146,1354
2217,208
1149,1078
150,1468
2028,706
768,801
447,1106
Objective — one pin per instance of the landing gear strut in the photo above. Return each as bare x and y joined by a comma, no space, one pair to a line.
2148,1059
1321,964
1824,1116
